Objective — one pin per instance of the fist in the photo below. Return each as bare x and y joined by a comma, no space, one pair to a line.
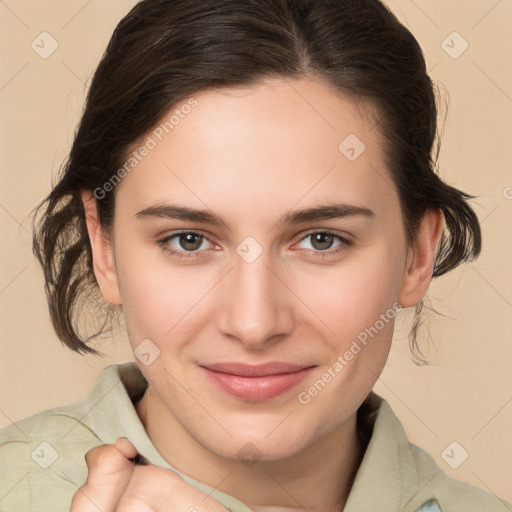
115,484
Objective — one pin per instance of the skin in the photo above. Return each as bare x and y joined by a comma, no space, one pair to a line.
115,484
250,155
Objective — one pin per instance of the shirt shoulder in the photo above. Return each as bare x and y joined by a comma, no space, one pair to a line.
42,459
441,492
395,474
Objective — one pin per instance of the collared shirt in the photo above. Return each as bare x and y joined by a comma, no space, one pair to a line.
42,461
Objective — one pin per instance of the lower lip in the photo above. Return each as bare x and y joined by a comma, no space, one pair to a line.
256,389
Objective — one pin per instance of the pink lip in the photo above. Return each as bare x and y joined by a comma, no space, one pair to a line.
256,383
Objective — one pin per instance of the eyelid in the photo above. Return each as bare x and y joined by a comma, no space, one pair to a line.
163,243
343,236
345,242
177,233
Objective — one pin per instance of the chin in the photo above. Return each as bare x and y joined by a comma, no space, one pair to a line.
266,444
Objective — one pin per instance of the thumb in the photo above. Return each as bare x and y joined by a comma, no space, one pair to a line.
110,470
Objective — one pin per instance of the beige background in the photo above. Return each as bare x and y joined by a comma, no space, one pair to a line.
465,395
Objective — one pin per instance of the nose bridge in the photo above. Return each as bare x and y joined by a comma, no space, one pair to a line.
255,306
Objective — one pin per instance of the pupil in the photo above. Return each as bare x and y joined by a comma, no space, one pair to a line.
321,238
188,239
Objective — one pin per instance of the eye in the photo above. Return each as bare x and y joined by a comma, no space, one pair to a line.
323,241
179,244
187,244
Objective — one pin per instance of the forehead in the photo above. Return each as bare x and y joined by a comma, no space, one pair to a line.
278,142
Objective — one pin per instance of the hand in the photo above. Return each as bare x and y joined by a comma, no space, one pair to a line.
115,484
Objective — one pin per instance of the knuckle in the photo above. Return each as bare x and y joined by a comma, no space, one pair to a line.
156,473
157,481
105,454
78,501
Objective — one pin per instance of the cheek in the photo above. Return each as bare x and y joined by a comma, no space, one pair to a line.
146,294
351,296
161,301
358,304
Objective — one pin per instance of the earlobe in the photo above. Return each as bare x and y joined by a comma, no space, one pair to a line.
421,258
103,257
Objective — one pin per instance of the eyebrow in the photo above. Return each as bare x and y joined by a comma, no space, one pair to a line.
325,212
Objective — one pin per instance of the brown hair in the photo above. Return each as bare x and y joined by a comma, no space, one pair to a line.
164,51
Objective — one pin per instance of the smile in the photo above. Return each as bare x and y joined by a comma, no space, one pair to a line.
256,383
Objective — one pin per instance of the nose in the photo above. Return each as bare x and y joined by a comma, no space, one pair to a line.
256,305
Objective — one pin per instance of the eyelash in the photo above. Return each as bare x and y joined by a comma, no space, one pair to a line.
190,254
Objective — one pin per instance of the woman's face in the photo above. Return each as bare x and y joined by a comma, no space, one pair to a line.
303,265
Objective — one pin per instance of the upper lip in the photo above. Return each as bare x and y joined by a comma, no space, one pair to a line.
260,370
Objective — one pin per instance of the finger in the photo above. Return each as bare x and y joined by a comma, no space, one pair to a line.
126,447
109,471
158,489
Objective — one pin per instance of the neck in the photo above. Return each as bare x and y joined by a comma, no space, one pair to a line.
317,479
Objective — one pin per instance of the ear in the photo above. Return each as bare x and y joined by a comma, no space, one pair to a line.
103,256
420,259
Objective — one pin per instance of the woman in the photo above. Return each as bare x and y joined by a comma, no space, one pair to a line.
252,184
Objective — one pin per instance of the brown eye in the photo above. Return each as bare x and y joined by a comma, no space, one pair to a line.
325,242
190,241
322,241
185,244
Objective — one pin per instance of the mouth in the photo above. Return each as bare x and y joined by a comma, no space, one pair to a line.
256,383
